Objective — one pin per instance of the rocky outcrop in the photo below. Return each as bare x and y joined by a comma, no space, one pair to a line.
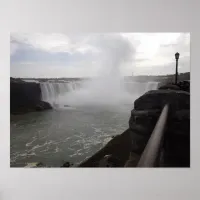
143,119
67,164
42,106
26,97
115,153
169,87
177,141
182,85
156,99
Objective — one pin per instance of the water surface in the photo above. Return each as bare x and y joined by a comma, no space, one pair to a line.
71,134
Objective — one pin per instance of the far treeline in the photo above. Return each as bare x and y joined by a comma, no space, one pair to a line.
165,78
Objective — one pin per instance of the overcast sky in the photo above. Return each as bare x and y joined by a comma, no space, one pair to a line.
85,55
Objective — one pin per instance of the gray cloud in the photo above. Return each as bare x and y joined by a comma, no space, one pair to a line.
41,55
182,45
169,68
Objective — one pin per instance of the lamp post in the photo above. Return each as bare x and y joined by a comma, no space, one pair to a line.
176,75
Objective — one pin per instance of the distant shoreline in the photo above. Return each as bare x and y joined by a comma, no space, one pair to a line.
167,78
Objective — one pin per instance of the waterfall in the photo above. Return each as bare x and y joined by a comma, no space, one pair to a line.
61,93
51,91
139,88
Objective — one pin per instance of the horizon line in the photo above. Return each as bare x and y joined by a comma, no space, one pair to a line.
93,76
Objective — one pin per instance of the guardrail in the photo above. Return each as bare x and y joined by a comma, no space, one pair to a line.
151,154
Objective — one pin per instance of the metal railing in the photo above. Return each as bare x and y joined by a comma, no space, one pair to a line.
151,153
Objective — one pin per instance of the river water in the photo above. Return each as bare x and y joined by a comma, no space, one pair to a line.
71,133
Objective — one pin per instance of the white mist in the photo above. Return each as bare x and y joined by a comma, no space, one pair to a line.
108,88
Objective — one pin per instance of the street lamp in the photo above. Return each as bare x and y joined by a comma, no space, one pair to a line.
176,57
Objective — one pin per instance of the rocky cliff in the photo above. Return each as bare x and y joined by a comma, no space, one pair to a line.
25,97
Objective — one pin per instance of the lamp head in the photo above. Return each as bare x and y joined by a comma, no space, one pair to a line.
177,56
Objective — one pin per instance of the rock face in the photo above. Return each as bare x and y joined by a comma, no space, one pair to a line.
42,106
143,119
26,97
67,164
114,154
177,142
109,161
182,85
141,124
169,87
156,99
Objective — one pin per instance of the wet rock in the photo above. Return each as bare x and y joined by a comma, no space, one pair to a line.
40,164
144,117
34,165
119,147
67,164
141,124
169,87
156,99
177,141
180,122
25,97
109,161
133,160
43,106
184,85
114,136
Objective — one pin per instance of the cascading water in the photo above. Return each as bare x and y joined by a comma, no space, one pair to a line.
52,91
140,88
77,93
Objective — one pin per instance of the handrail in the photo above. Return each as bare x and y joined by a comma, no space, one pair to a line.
152,150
